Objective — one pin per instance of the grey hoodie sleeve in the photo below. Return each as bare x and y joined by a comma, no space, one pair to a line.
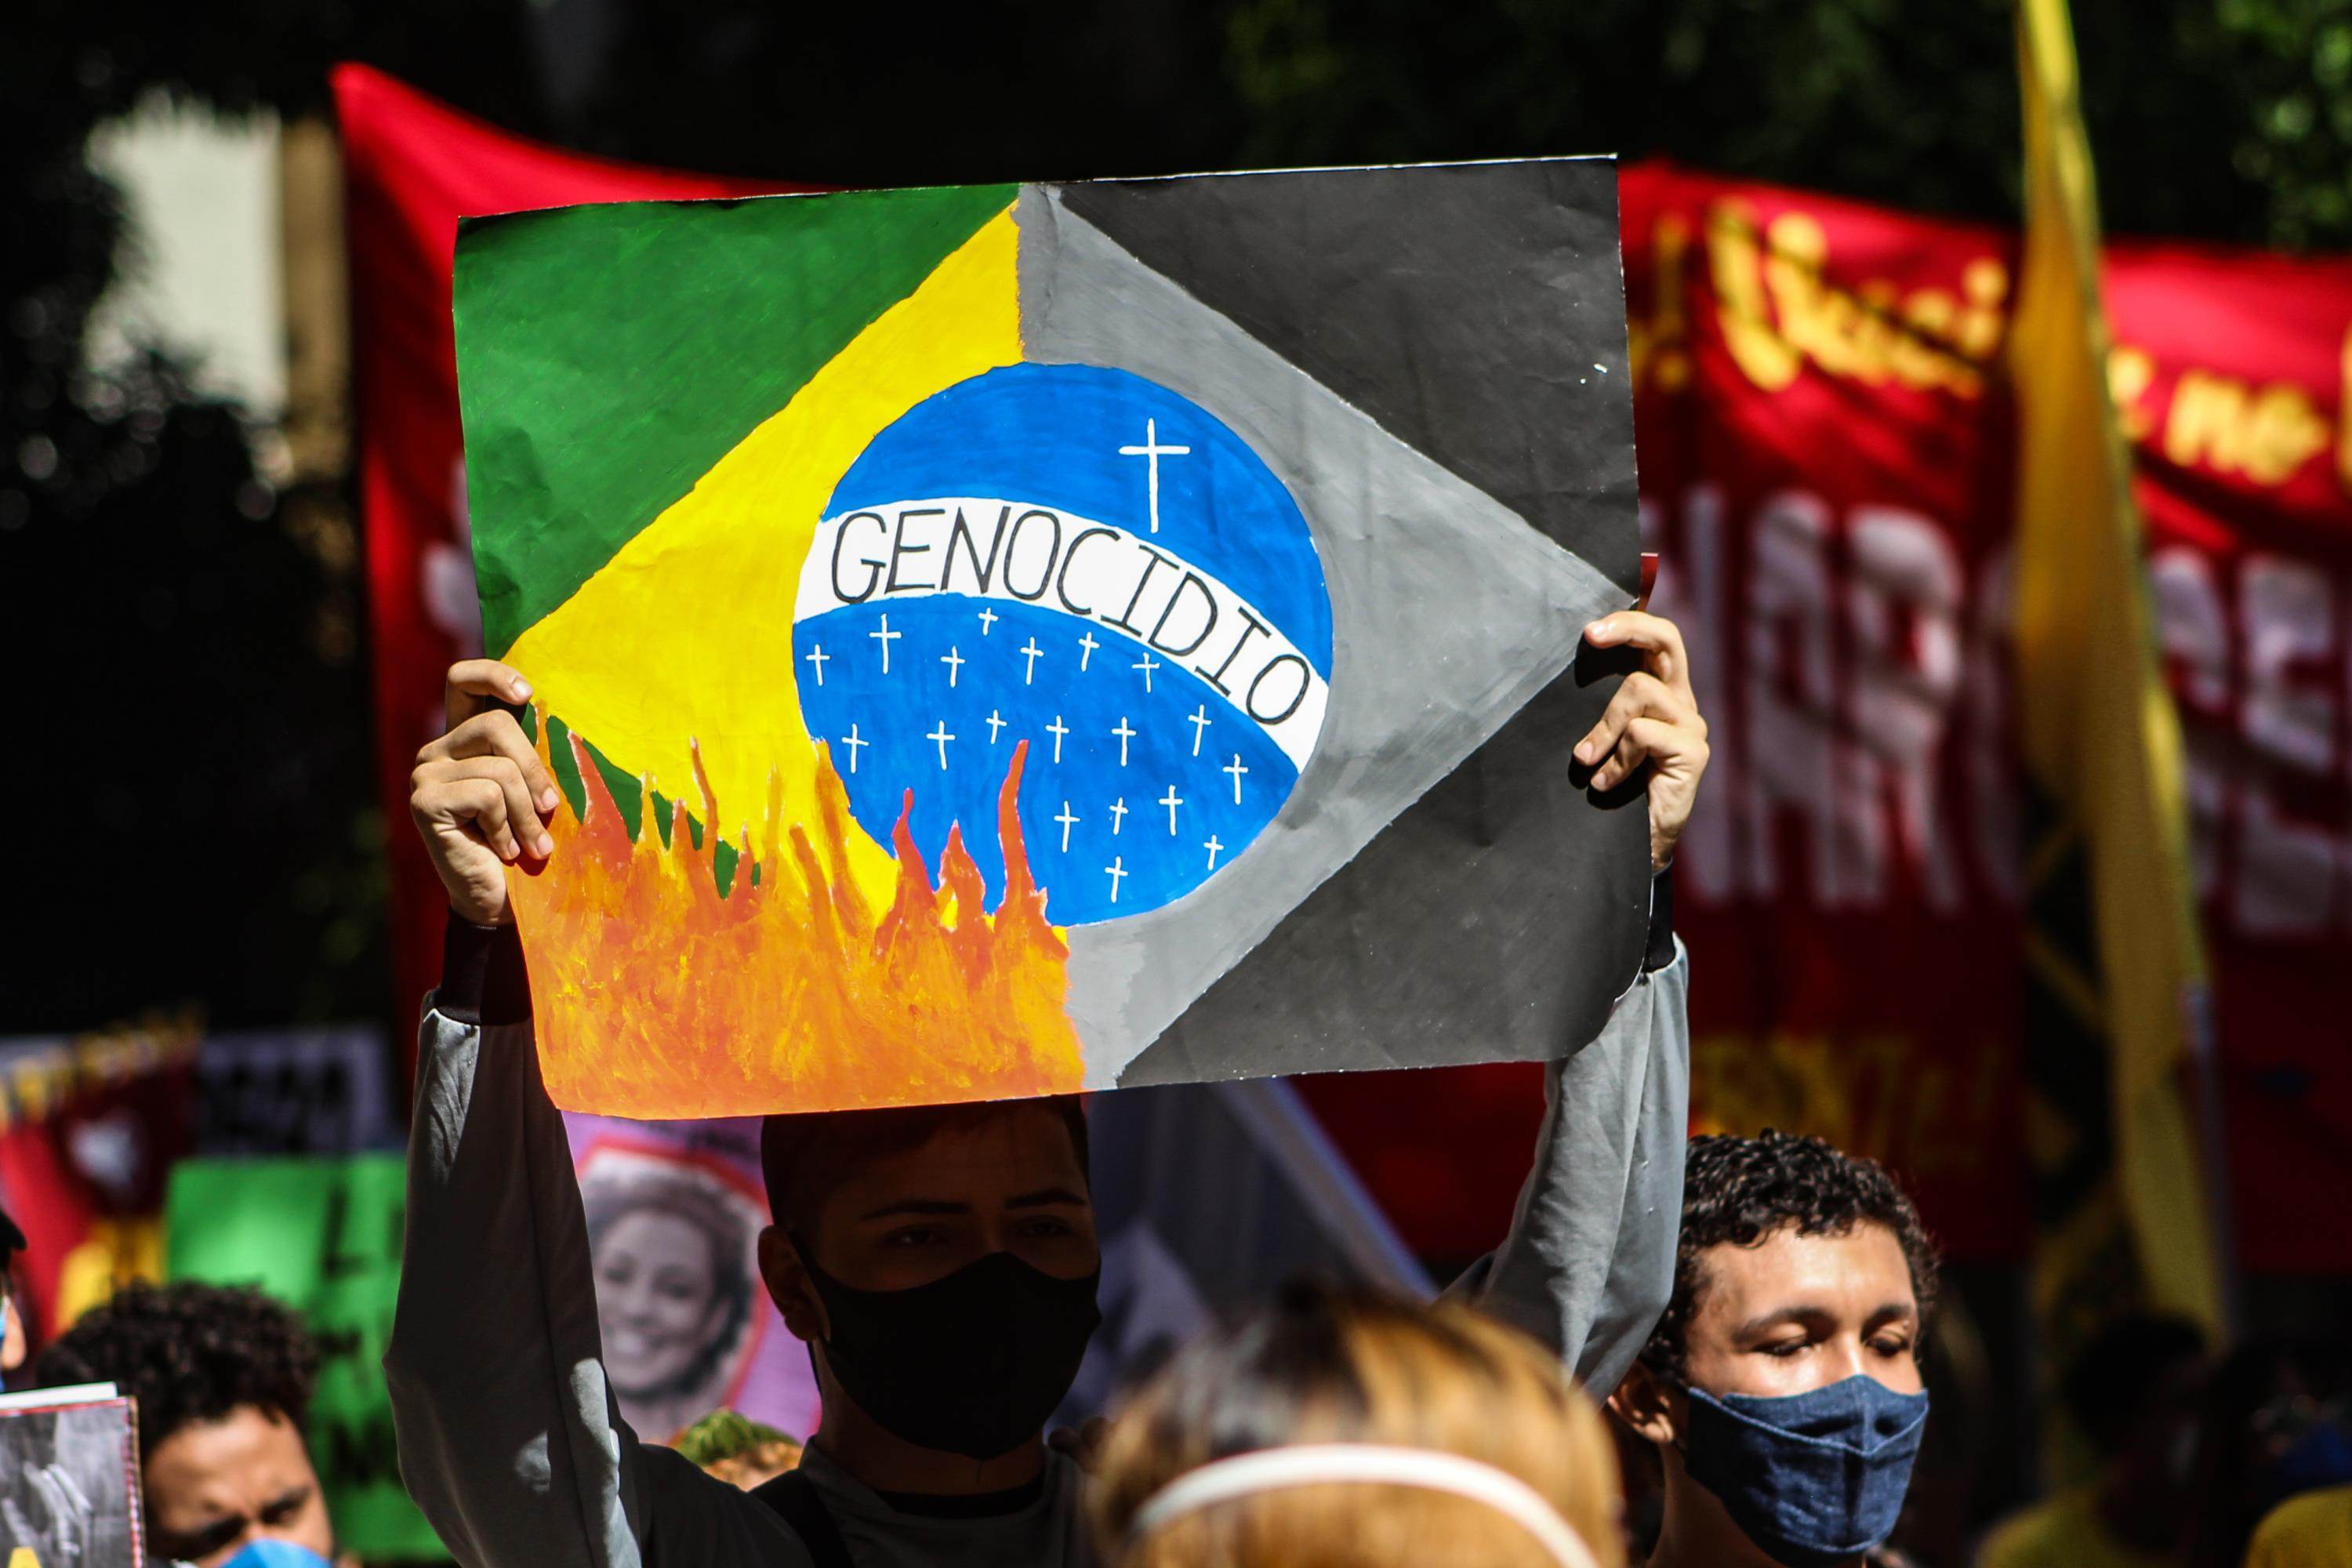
509,1440
1588,1263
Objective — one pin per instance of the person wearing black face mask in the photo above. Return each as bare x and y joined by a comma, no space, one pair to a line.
940,1262
1781,1388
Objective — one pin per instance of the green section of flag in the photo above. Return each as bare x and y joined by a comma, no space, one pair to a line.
322,1236
609,356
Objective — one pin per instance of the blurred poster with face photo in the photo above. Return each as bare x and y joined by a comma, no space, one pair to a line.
673,1212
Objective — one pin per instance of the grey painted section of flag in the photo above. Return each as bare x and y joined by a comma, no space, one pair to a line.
1451,614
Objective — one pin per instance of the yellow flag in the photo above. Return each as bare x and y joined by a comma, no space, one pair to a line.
2117,976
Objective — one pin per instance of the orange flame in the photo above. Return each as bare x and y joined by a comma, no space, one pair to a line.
656,997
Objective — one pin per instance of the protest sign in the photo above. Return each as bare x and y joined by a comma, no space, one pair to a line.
323,1235
1012,639
69,1479
675,1211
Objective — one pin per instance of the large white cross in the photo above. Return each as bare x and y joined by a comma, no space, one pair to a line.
1115,870
955,663
1118,815
1214,847
817,659
885,637
1147,664
995,724
1237,768
1125,732
1171,800
1068,822
1033,653
1200,720
1057,730
854,745
1152,451
987,619
1087,646
942,737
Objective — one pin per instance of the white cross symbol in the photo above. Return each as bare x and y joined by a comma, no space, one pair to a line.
1125,732
995,724
1033,653
1200,720
818,658
1171,800
1147,666
1057,730
1237,769
1087,646
854,745
987,619
1152,451
1115,870
942,737
1068,822
1212,847
955,663
885,637
1118,815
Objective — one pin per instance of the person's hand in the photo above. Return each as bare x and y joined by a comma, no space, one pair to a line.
479,793
1083,1444
1653,719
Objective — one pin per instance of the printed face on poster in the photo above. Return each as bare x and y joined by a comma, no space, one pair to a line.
673,1212
993,640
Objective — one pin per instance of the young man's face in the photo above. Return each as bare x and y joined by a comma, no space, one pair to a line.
213,1486
1800,1312
1009,1181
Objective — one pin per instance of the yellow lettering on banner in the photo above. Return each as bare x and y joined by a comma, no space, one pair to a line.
1778,310
1659,346
2228,425
23,1557
2130,373
1735,256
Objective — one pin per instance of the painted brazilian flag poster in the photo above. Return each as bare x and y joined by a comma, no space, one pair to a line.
1013,639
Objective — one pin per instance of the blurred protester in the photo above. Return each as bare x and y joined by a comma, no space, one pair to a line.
1343,1429
941,1261
222,1379
2313,1530
12,1320
2132,1392
1781,1389
744,1453
2274,1426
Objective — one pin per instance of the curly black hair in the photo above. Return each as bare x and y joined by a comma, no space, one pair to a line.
189,1351
1737,1192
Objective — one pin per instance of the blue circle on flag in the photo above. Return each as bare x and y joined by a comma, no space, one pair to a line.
1081,559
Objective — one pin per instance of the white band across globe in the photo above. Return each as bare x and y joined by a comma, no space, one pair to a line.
991,548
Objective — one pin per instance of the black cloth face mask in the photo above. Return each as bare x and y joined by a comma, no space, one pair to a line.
971,1363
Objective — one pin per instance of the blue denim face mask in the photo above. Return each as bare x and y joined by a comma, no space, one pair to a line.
1814,1478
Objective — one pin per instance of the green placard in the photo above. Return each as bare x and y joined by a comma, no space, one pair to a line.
321,1235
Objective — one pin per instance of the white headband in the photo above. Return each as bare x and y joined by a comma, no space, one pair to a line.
1318,1463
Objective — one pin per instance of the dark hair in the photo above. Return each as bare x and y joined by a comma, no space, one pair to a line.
804,1156
2114,1377
188,1352
1739,1192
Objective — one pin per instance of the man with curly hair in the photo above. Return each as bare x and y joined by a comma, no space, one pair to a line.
1782,1387
222,1379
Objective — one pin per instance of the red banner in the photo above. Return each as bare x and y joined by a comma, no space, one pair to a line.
412,166
1826,460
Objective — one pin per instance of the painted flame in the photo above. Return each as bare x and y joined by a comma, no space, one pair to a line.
656,997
